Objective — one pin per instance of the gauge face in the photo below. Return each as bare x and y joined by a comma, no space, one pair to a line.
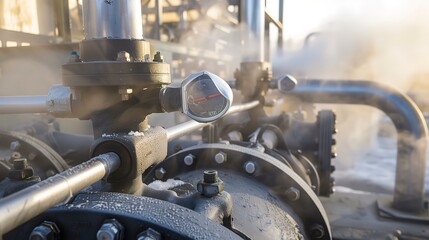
205,96
204,99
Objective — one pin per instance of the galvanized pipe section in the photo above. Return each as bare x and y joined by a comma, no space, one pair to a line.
158,18
20,207
190,126
252,18
407,117
112,19
23,104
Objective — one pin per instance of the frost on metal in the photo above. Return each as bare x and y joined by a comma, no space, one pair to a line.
169,184
109,135
136,134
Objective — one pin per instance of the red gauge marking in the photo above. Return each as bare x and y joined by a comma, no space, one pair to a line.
201,99
213,95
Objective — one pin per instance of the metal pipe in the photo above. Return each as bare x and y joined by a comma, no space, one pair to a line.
23,104
112,19
22,206
158,18
190,126
407,118
280,38
252,15
63,20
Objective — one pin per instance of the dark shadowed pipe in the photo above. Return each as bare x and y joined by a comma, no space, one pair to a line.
407,117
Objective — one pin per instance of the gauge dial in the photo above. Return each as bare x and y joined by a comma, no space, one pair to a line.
206,97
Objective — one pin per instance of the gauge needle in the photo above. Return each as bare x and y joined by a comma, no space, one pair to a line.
206,98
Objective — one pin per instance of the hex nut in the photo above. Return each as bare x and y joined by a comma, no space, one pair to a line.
158,57
45,231
110,230
210,190
211,185
20,163
149,234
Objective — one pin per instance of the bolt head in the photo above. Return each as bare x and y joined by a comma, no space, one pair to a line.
160,173
292,194
158,57
20,163
211,185
74,57
286,83
189,160
317,232
123,56
210,176
220,157
45,231
250,167
149,234
110,230
14,146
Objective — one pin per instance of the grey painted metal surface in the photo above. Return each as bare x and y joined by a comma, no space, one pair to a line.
409,122
20,207
112,19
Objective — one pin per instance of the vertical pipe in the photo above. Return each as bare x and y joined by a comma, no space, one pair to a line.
63,19
280,38
112,19
252,16
266,39
158,18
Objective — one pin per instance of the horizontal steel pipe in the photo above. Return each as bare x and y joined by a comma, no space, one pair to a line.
23,104
407,118
22,206
190,126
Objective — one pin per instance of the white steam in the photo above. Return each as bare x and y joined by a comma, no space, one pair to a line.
379,40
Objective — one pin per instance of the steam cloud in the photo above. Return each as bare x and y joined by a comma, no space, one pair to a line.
384,41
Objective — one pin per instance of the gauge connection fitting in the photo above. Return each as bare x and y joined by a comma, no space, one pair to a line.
202,96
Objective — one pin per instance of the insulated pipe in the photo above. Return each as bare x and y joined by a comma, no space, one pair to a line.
23,104
407,118
190,126
112,19
22,206
252,16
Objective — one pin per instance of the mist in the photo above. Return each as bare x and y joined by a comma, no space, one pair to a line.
383,41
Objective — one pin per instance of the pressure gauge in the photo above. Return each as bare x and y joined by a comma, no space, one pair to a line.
205,96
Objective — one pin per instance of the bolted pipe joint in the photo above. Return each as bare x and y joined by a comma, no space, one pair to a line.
211,185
